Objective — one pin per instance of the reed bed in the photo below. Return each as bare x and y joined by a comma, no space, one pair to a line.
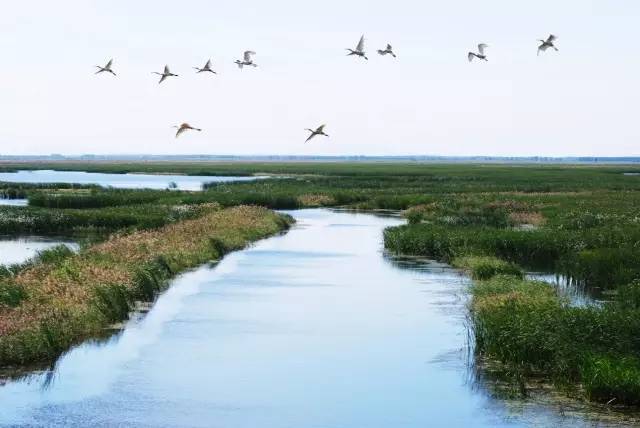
493,220
49,306
594,351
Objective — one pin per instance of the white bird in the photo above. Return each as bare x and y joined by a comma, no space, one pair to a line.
106,68
480,55
318,131
166,73
388,50
359,50
184,127
546,44
246,60
207,67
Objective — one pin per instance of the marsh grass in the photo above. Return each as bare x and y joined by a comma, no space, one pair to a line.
48,221
70,297
582,222
486,267
524,325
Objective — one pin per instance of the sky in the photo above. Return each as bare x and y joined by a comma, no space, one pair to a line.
580,101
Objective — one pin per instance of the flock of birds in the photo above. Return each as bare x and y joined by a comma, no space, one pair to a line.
247,60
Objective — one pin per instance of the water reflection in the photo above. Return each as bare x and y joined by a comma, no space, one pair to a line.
316,328
576,293
15,250
121,181
14,202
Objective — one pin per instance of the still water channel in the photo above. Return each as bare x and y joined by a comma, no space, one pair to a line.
314,328
120,181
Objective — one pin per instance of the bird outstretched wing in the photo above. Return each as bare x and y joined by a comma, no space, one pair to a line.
482,47
320,128
360,46
389,48
247,55
208,64
470,56
166,69
109,64
552,38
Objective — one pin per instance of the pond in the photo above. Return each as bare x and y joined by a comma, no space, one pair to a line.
120,181
314,328
15,250
14,202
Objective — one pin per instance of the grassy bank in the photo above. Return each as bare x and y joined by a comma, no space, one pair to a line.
45,221
593,352
53,304
491,220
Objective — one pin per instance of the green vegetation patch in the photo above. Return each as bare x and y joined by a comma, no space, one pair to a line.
62,298
525,326
485,267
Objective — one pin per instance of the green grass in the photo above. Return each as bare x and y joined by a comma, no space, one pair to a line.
493,220
525,326
484,267
62,298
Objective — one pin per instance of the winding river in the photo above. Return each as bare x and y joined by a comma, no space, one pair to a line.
314,328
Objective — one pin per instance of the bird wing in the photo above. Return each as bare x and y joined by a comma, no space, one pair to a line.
166,70
543,47
208,64
313,134
162,77
360,46
551,38
470,56
389,48
109,64
179,131
320,128
482,47
247,55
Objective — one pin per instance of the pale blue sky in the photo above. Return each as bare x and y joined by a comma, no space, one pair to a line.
580,101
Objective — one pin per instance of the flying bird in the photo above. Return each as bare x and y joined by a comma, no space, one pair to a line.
359,50
246,60
480,55
166,73
318,131
207,68
546,44
184,127
106,68
387,50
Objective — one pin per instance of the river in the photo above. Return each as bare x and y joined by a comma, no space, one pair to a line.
120,181
314,328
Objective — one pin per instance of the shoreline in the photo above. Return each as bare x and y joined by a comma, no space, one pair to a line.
63,300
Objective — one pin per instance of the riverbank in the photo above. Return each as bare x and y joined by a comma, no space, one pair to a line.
588,352
47,308
528,332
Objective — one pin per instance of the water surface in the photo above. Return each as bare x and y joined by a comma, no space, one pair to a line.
14,202
120,181
315,328
20,249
